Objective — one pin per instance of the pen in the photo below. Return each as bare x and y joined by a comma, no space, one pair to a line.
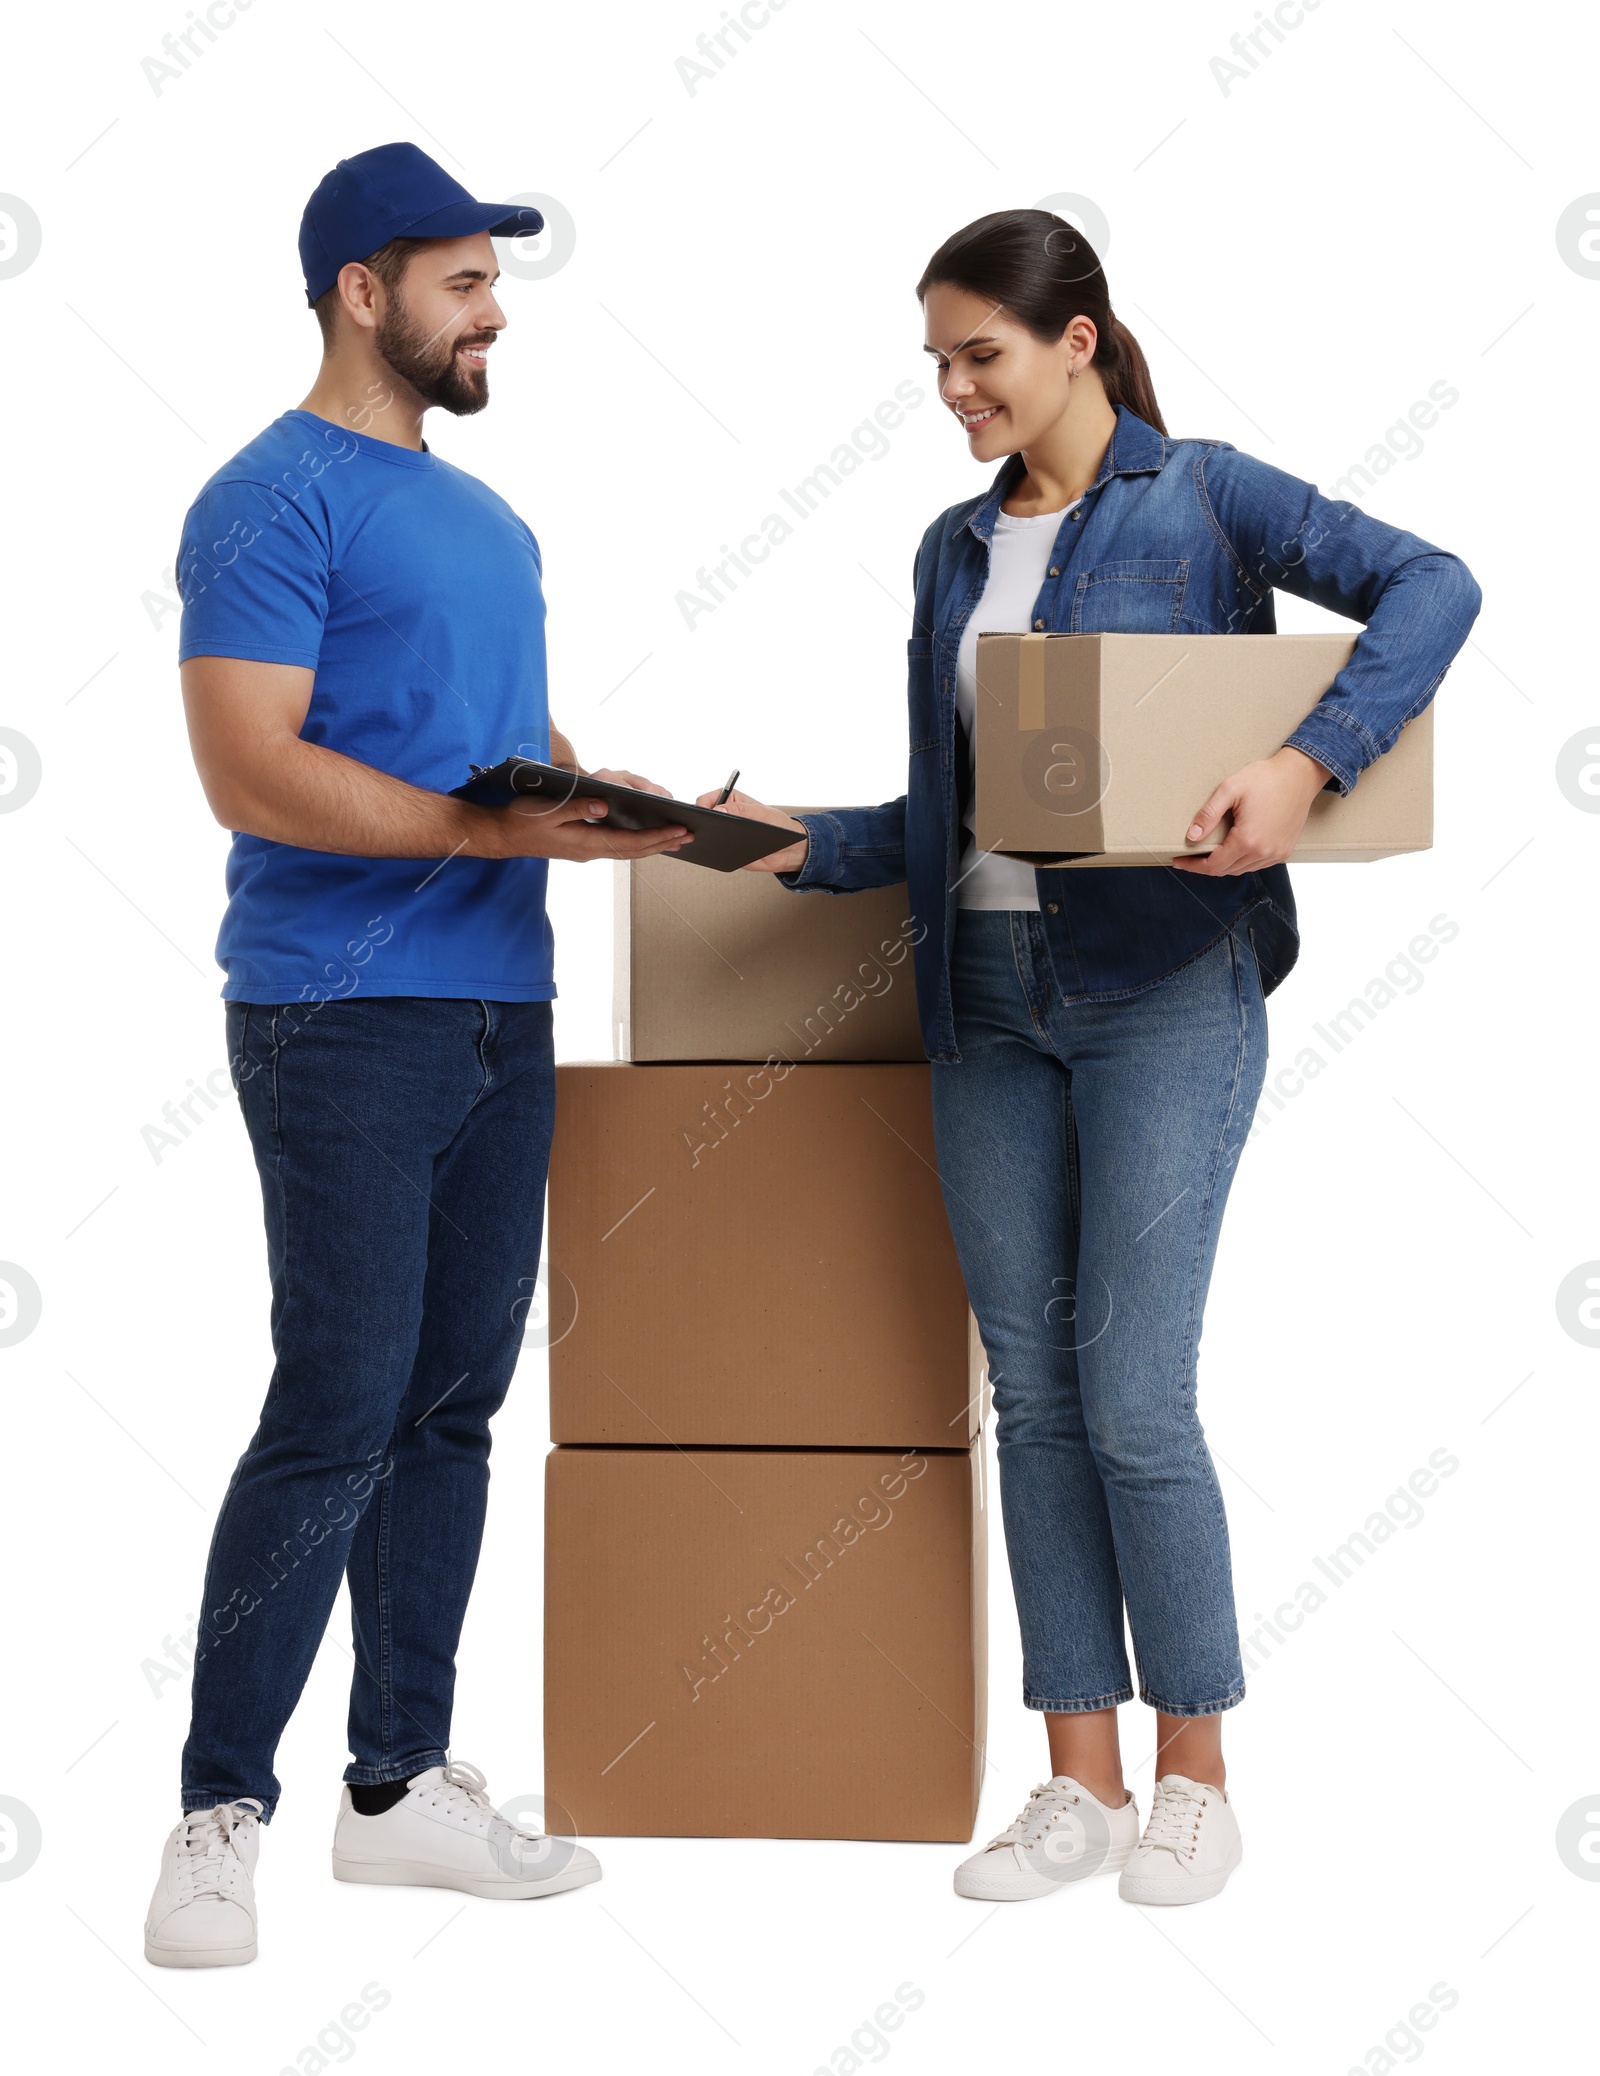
728,788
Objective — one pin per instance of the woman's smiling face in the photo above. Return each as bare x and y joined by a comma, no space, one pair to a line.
1007,387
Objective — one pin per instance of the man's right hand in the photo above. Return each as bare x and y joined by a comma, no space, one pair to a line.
262,779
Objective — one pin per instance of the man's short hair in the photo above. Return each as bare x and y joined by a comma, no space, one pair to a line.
389,263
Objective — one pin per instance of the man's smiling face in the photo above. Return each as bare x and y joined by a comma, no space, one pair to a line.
440,322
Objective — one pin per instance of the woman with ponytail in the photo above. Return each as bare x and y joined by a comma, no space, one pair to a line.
1099,1036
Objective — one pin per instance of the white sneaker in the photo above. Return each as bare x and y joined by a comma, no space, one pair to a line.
1190,1846
203,1913
447,1834
1064,1834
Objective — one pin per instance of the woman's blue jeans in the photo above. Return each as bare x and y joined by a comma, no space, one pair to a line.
1085,1153
402,1145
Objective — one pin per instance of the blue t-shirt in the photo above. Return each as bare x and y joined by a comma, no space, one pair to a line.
413,592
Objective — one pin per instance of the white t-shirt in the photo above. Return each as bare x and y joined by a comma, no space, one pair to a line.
1019,555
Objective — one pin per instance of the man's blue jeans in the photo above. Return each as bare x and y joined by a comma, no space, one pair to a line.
1085,1152
402,1146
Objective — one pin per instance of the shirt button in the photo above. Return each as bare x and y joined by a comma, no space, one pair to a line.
1054,572
1038,627
1052,908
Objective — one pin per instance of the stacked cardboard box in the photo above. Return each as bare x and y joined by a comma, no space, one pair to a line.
765,1531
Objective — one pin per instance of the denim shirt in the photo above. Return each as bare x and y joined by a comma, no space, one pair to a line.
1172,537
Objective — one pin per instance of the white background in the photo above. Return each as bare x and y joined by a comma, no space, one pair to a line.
1371,211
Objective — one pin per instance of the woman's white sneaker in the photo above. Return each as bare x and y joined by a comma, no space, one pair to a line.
1190,1845
1064,1834
203,1913
447,1834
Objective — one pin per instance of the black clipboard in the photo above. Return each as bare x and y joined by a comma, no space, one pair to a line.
718,839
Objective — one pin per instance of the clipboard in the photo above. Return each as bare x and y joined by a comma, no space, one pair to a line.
718,839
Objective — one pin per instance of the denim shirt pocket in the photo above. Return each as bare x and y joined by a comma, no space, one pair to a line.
1130,598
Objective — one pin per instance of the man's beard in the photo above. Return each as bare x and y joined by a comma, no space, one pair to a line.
432,366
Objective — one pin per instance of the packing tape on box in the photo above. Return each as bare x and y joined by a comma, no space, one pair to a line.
1030,681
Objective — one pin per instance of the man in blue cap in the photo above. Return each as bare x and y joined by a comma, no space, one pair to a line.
362,623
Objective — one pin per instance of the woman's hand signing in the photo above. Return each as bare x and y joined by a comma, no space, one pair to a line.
791,857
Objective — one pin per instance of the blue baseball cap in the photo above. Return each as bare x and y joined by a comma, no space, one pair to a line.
392,191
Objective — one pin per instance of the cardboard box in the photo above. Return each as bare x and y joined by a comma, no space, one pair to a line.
764,1643
1096,749
732,966
755,1257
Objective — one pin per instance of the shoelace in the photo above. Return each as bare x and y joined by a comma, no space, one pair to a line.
1175,1819
463,1784
1045,1802
464,1789
206,1846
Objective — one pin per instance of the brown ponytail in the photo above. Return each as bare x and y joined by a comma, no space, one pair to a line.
1044,271
1127,381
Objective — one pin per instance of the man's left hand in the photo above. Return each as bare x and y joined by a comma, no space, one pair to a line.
630,778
